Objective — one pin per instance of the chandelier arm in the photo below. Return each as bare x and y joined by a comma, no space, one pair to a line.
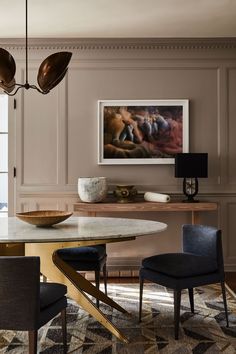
19,85
13,94
26,87
36,88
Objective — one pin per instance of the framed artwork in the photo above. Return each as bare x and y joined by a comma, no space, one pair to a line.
142,131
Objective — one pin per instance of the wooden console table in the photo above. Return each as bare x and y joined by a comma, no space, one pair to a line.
92,209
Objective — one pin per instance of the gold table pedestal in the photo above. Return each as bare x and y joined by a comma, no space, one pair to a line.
56,270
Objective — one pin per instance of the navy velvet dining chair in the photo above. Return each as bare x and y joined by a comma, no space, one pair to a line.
200,263
25,303
89,258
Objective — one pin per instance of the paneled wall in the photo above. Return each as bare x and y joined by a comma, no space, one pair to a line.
54,138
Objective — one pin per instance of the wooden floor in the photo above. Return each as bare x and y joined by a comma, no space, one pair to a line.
230,278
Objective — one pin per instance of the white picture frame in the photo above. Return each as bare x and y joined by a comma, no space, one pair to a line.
142,132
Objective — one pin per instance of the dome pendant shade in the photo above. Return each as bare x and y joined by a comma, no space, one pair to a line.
59,79
7,67
8,88
52,70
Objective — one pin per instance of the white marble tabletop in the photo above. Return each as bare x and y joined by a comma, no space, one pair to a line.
77,229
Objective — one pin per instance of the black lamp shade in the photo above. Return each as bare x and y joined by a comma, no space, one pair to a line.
190,165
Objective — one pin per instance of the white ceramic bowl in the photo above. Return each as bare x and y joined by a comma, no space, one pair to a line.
92,189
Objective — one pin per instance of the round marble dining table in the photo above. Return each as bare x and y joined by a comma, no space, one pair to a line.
76,232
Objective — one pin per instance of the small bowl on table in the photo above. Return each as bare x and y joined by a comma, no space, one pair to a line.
44,218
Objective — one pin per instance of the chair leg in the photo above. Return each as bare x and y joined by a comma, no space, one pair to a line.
33,338
225,302
140,299
105,277
97,281
177,300
64,330
190,292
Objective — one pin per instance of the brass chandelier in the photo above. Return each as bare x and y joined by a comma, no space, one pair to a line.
51,71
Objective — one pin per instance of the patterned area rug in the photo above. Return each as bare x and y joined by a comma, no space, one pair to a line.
203,332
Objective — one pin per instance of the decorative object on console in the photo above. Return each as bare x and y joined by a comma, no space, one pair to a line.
156,197
190,167
92,189
51,71
125,193
44,218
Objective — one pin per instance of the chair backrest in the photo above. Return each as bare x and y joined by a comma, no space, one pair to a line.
203,241
19,292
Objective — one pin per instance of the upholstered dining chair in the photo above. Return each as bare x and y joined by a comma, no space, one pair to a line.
90,258
200,263
26,304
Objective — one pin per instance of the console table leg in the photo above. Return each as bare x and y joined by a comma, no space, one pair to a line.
92,213
195,218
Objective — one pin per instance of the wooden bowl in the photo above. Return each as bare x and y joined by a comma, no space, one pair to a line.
44,217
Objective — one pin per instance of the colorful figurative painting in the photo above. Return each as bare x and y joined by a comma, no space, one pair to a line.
142,132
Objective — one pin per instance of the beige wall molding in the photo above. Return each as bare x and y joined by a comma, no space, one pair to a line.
125,44
56,135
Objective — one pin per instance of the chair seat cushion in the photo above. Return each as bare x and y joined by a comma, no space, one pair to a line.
82,254
180,265
51,293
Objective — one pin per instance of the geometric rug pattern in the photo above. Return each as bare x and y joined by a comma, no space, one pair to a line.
202,332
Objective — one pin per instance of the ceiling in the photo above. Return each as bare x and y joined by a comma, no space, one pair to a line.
118,18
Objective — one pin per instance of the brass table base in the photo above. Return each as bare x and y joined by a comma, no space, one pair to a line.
55,269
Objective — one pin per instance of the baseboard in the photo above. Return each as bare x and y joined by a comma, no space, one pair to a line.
121,267
115,274
230,267
115,264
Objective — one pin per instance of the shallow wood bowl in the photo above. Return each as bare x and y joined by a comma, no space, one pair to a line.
44,217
